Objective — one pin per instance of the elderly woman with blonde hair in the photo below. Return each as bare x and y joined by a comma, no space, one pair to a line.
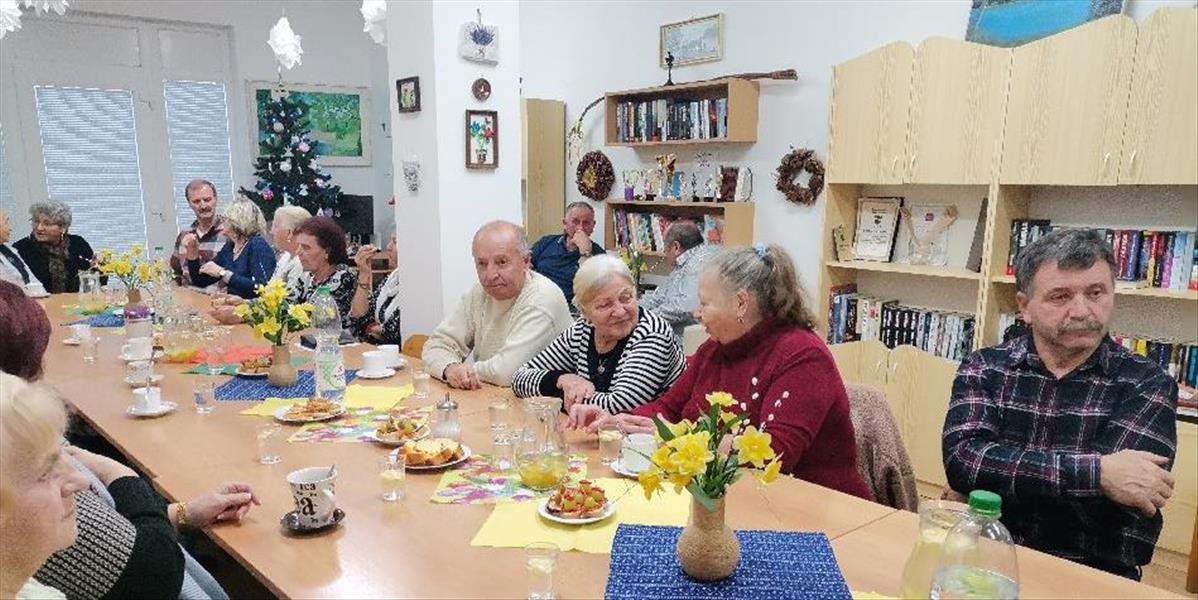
245,262
54,255
37,487
616,356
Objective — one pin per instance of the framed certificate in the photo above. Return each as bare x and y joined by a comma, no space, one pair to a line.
877,224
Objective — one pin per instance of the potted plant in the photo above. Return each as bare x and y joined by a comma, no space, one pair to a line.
691,456
273,317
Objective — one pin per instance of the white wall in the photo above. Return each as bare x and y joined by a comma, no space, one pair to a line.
437,224
336,52
577,51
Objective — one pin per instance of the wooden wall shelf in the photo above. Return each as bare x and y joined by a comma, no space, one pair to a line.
742,95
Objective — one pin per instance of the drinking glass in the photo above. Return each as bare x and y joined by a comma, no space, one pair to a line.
91,346
541,560
420,384
392,474
500,412
611,440
215,352
268,451
504,443
204,394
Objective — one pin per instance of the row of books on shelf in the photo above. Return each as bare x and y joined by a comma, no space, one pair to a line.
671,119
646,231
1178,359
1143,258
856,317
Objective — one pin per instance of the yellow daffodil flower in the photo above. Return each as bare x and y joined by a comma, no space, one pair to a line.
691,454
122,268
754,446
661,457
268,326
680,481
681,428
298,313
771,471
650,481
726,417
721,399
242,310
136,250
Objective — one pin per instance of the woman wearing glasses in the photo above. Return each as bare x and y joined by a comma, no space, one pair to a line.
615,356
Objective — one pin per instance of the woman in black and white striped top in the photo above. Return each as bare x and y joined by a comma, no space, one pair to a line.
615,356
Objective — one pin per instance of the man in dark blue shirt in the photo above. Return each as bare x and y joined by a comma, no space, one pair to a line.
557,256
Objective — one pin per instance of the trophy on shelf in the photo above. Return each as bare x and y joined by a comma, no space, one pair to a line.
665,167
651,183
711,187
631,177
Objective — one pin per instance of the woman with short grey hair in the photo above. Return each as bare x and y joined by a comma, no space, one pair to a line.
246,261
55,256
288,267
616,356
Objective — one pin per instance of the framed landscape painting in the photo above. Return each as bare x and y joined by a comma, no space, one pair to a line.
1009,23
695,41
336,117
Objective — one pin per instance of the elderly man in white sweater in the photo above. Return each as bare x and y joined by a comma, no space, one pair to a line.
503,321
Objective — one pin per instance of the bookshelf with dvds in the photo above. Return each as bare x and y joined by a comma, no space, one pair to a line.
719,111
1141,176
732,220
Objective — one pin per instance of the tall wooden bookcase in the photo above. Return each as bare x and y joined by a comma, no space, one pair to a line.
1093,126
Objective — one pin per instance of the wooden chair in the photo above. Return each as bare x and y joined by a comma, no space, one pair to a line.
414,345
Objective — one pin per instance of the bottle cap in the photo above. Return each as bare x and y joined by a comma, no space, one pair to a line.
987,504
323,288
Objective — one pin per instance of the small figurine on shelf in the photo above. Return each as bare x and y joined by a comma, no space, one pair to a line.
669,68
652,183
728,183
630,178
711,187
693,192
665,168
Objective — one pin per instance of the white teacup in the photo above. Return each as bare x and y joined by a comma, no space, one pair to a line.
374,362
391,354
138,348
81,331
312,488
638,447
147,399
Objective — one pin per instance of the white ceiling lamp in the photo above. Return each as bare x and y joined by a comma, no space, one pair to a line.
374,13
285,43
10,12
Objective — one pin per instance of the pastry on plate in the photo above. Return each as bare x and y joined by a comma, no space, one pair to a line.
431,452
578,501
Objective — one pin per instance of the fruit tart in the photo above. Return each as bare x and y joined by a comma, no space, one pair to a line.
578,501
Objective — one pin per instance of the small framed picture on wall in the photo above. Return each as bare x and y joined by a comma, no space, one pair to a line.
407,90
482,139
692,42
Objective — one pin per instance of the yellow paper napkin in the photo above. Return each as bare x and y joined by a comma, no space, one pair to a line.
517,524
356,396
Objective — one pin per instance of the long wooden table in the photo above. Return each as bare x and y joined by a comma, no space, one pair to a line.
416,548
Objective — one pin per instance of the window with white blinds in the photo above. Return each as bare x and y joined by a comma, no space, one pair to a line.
197,124
6,200
89,145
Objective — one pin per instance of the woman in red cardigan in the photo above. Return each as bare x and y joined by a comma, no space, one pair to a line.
764,351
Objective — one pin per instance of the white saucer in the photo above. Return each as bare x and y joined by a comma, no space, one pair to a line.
155,378
399,364
618,467
166,407
543,510
71,342
385,373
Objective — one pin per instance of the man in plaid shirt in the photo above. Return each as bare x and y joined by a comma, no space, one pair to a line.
1076,433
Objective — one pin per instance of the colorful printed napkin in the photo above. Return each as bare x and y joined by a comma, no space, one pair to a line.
479,480
517,524
773,564
357,425
75,310
356,397
244,388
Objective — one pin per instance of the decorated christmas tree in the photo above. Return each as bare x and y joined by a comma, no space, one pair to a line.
285,168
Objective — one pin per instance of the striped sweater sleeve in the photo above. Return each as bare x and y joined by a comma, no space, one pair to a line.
651,362
560,356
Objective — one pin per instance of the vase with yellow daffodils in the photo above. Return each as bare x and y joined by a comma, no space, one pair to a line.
635,261
133,267
695,458
273,317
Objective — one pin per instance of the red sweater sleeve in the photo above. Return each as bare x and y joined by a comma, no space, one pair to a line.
670,404
796,402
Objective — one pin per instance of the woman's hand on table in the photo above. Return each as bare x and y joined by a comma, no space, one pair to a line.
212,269
462,376
228,502
104,468
627,423
575,389
225,315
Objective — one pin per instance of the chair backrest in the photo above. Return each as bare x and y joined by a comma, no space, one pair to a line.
414,345
693,336
881,456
